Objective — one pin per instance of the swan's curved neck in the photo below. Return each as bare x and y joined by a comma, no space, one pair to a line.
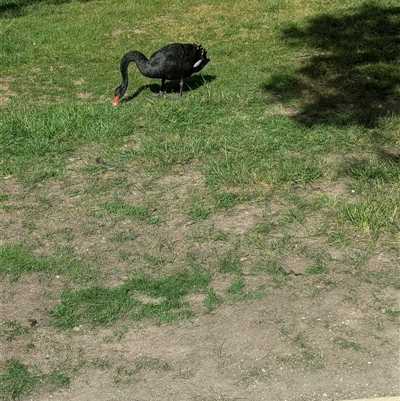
139,58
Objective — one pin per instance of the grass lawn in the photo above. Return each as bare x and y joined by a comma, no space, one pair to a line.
278,169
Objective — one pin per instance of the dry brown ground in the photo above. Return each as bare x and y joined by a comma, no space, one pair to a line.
305,339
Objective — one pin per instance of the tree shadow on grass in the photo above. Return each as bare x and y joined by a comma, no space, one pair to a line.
16,8
353,74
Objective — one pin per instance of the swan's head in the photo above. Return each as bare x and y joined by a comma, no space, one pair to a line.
118,93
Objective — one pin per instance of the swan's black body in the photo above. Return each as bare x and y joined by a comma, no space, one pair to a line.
174,61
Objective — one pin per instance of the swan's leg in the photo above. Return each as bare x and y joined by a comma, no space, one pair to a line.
162,87
180,91
161,92
181,88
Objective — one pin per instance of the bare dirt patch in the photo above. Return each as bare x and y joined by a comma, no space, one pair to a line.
5,91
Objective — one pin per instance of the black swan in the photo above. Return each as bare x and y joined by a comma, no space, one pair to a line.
174,61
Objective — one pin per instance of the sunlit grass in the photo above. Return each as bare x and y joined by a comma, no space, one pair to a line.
283,152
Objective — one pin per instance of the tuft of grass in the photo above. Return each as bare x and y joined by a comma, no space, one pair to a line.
212,299
230,264
307,357
17,259
125,373
220,236
121,237
236,286
346,344
375,214
317,267
101,306
198,213
131,211
18,380
226,200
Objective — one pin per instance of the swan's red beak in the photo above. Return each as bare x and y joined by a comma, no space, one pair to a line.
116,100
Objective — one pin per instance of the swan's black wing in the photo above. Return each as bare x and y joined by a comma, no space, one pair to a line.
178,60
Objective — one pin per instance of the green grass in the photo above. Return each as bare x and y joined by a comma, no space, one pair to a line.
18,380
17,259
100,305
230,264
130,211
283,154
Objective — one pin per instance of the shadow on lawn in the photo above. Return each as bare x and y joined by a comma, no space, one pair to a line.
353,75
191,84
15,8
